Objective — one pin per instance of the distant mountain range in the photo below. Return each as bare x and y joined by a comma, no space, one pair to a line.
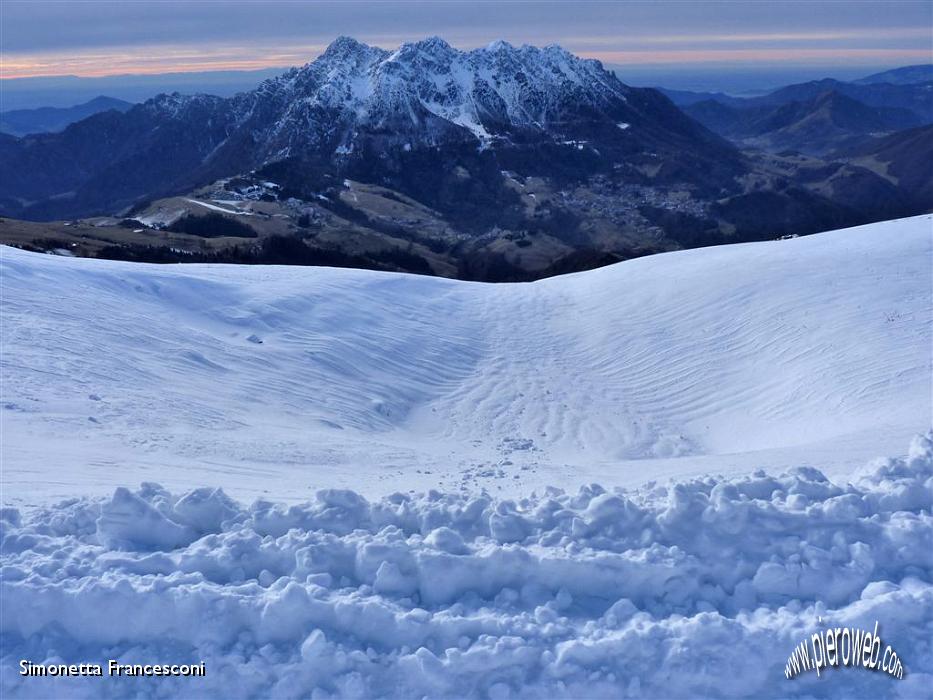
50,119
68,90
819,116
497,163
368,112
907,75
819,125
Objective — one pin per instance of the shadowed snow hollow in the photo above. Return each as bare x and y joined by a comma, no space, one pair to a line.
284,379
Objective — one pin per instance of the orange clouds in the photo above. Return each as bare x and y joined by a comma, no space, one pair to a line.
642,50
151,60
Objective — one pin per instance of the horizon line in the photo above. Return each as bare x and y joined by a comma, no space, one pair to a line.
183,60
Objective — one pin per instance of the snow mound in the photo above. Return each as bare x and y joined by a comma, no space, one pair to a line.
697,588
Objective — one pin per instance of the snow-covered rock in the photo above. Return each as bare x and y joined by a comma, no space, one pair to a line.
427,93
425,89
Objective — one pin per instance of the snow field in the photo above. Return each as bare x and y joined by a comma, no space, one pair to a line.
275,382
686,589
497,568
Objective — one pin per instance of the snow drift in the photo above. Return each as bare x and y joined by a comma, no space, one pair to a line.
814,350
693,589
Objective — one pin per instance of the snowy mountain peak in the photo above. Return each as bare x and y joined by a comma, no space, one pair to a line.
499,45
345,45
432,50
430,92
433,44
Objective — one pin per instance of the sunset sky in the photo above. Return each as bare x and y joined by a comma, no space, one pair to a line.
95,37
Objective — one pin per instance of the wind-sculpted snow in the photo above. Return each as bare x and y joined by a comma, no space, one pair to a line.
278,381
693,589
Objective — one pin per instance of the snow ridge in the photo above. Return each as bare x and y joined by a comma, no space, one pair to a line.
696,588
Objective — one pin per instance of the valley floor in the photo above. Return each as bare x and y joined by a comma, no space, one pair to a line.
143,406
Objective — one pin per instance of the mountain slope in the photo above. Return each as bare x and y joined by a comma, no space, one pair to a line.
829,121
903,157
915,97
286,378
685,98
45,119
359,107
906,75
816,117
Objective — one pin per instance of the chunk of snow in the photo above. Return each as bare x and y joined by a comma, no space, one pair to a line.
696,588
